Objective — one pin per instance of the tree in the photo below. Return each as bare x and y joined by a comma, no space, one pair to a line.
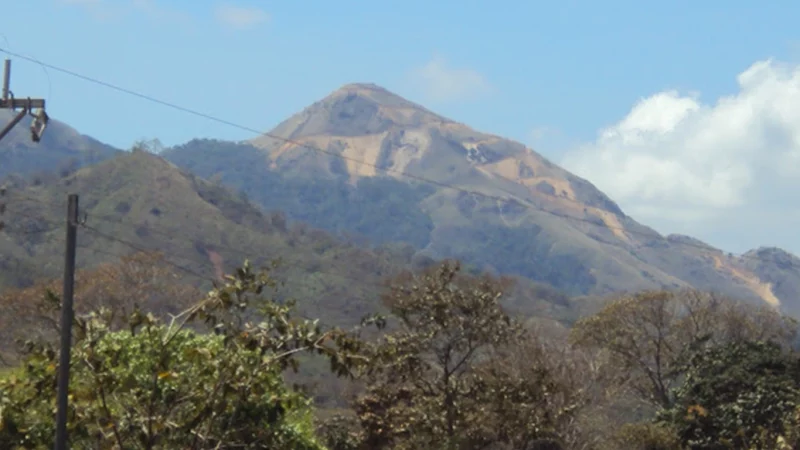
163,386
142,279
645,334
579,405
742,394
644,436
153,146
445,377
533,393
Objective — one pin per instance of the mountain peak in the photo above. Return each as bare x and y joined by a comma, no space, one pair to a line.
355,109
774,255
364,87
374,129
374,93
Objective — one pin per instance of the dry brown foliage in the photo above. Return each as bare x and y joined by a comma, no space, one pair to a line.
142,279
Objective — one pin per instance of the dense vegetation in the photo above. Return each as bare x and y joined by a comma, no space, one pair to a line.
381,209
145,203
447,356
521,251
459,359
445,367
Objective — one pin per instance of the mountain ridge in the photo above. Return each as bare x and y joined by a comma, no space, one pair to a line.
533,212
513,211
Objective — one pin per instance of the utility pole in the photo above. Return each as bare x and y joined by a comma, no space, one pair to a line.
67,314
38,125
26,105
2,207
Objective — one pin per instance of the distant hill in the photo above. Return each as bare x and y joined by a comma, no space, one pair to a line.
61,149
144,202
514,211
147,203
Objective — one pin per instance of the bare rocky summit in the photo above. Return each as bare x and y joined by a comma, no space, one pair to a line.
575,229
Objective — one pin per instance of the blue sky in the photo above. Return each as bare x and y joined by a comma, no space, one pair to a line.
565,77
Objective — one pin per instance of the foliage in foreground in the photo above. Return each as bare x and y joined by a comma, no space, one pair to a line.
712,373
449,375
739,395
142,279
452,370
165,386
648,335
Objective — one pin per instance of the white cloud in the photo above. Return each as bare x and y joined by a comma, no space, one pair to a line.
240,17
686,166
442,83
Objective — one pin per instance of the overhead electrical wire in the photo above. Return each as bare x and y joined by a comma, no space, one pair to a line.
86,218
526,205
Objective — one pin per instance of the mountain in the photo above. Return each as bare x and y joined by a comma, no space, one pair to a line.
144,202
357,160
149,204
61,149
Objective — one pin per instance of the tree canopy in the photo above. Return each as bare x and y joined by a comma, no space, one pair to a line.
447,367
162,386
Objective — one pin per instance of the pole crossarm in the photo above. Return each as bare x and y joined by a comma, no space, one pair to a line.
27,105
40,119
22,103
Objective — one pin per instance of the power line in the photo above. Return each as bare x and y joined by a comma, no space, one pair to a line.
242,127
153,230
49,96
25,105
150,229
244,253
199,276
45,230
247,254
138,248
320,150
207,278
114,219
526,205
179,267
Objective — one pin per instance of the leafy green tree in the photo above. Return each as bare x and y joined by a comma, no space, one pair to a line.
341,432
741,395
167,385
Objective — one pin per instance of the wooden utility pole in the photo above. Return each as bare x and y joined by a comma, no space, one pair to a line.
67,314
26,105
40,119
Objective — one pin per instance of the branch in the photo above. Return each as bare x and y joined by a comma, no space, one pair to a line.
106,409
